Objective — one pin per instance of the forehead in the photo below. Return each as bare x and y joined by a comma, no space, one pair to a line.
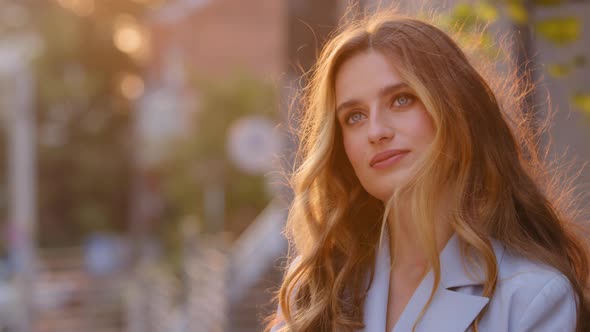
362,76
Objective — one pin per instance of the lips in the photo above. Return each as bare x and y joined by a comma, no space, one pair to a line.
385,155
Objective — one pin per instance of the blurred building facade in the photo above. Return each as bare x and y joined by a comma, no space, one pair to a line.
218,38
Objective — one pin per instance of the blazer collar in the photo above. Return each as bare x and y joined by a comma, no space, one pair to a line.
450,310
453,273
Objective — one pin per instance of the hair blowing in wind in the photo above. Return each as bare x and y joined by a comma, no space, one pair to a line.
488,158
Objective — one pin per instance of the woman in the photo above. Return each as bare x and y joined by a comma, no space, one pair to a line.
420,198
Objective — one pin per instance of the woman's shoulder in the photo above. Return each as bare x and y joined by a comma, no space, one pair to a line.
532,294
521,273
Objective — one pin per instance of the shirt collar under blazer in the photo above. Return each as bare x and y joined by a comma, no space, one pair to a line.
450,310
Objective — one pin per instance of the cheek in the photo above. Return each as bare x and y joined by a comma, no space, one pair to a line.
423,129
353,150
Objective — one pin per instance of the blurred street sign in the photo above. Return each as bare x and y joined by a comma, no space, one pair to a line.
253,144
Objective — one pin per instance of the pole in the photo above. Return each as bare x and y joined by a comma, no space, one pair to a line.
22,190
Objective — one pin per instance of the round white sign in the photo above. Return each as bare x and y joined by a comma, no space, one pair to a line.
253,144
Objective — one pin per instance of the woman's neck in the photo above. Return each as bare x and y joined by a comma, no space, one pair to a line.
405,247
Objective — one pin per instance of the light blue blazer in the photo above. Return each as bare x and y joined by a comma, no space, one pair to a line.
528,297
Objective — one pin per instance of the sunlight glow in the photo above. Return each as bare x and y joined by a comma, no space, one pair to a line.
131,86
128,39
131,37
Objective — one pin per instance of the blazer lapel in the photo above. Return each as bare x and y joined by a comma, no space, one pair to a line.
449,311
375,310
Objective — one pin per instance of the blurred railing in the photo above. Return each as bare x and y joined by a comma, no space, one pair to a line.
68,298
194,300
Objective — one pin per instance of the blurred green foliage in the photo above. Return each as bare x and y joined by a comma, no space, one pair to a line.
200,160
581,100
548,3
517,11
470,19
559,30
83,142
562,70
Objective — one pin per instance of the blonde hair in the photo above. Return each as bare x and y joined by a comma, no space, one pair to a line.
499,182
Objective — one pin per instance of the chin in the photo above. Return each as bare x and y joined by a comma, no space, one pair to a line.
384,193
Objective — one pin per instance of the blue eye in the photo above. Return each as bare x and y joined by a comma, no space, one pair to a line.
403,100
354,117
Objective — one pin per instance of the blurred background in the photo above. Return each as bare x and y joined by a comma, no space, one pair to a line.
145,147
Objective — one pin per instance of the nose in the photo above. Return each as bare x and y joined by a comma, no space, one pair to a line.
379,130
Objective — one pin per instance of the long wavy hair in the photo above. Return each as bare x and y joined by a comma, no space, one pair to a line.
486,154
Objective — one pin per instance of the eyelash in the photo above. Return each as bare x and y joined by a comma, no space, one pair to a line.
411,98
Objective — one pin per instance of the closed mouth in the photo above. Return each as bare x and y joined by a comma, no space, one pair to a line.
385,155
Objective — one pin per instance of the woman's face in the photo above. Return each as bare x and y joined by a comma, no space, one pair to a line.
385,127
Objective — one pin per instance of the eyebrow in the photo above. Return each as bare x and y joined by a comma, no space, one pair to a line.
387,90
